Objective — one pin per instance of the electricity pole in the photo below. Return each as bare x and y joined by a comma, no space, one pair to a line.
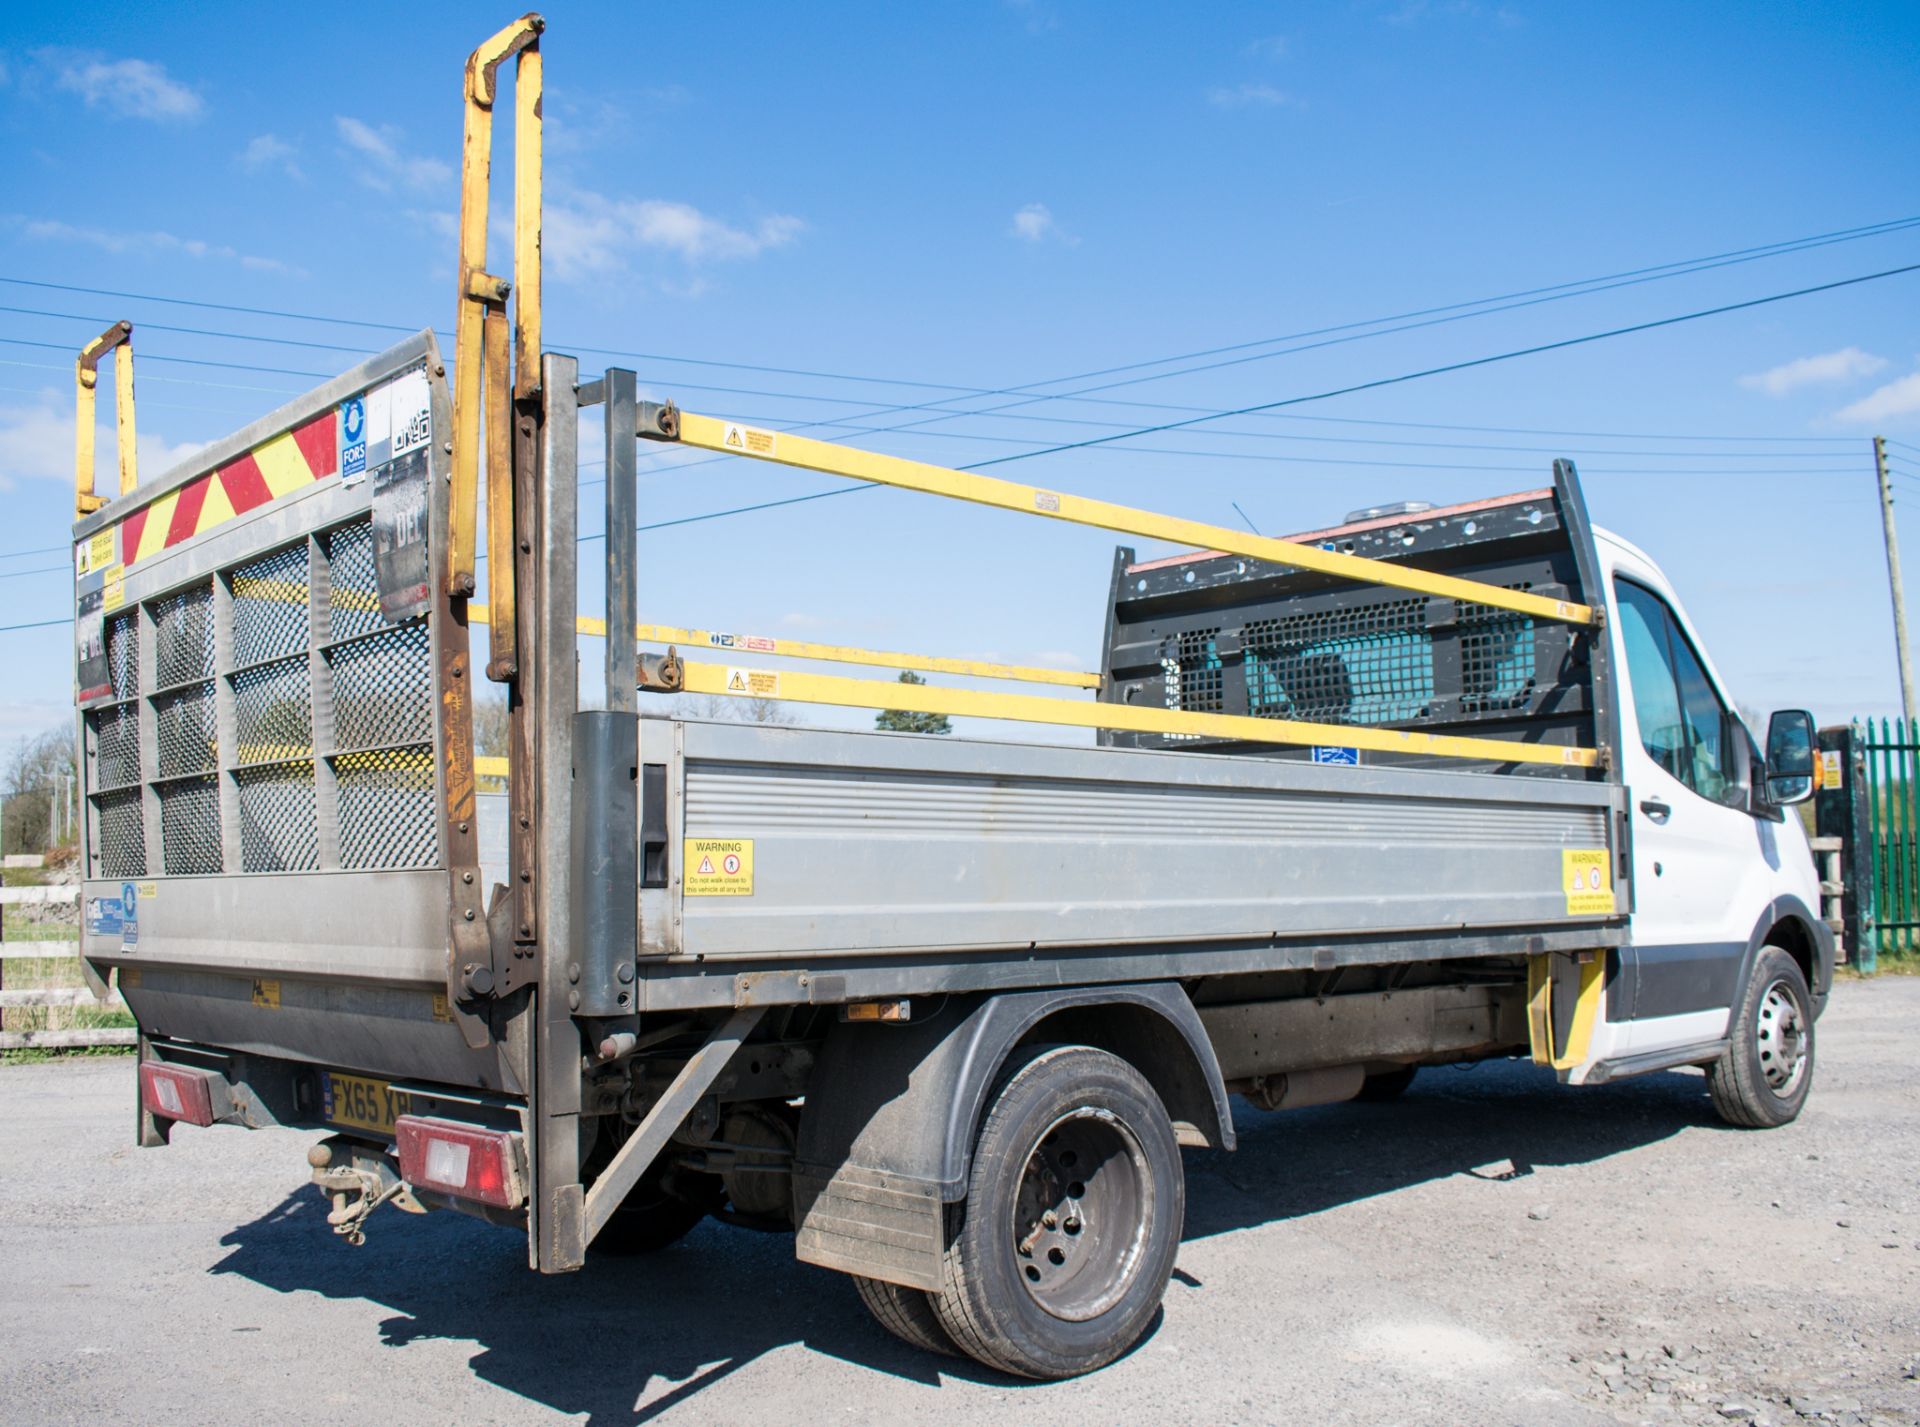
1893,580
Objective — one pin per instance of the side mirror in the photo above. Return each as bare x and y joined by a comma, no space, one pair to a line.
1739,764
1790,757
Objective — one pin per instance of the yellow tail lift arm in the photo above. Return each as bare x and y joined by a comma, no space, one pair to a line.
481,361
117,339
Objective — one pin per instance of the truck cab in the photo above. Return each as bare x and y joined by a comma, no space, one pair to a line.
1721,872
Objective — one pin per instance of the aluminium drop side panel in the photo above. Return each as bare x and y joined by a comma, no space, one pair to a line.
290,897
867,844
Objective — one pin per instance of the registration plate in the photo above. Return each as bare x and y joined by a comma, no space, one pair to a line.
360,1103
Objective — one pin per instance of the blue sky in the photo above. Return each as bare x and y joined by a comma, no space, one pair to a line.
990,196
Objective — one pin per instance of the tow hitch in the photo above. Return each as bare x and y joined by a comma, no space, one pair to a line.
358,1178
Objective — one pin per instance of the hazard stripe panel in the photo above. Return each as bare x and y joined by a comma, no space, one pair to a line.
276,467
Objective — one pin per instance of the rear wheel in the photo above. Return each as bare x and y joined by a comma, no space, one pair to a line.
1058,1259
649,1219
1763,1076
907,1313
1388,1084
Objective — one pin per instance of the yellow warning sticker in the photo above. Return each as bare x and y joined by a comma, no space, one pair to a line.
1586,876
267,993
748,440
149,890
441,1011
113,592
754,683
93,553
718,866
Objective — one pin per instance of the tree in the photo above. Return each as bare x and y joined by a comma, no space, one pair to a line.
38,790
906,721
724,708
490,726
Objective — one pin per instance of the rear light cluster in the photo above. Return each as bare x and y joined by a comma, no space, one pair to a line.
178,1092
459,1160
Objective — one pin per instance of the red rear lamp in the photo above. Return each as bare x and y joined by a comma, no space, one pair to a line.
459,1160
177,1092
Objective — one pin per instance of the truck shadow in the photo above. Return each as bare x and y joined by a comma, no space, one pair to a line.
624,1341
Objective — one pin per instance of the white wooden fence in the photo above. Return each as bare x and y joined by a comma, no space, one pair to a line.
67,1039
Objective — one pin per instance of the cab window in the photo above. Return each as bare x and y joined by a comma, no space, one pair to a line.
1682,721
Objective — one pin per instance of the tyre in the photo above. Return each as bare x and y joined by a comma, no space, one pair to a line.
907,1313
1058,1258
649,1219
1388,1084
1762,1078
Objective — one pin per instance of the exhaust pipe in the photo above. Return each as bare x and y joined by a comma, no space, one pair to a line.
1299,1088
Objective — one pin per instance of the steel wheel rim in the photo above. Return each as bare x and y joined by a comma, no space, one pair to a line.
1080,1215
1780,1037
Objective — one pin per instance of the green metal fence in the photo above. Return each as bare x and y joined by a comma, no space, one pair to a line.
1892,751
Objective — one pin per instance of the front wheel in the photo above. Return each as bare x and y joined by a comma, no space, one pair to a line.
1762,1078
1058,1259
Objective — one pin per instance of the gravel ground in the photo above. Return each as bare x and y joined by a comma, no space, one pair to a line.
1492,1249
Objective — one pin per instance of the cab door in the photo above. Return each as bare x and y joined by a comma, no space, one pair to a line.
1700,858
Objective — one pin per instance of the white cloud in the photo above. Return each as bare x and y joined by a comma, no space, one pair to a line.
1268,47
587,233
1840,366
133,88
1413,11
1036,224
1252,96
1895,399
38,440
149,241
1039,17
265,151
383,165
440,222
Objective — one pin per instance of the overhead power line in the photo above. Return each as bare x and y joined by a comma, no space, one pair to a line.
1524,297
1536,350
1404,377
1446,368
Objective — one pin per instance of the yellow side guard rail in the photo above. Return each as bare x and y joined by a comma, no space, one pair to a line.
730,438
117,339
673,635
739,681
735,439
481,362
807,688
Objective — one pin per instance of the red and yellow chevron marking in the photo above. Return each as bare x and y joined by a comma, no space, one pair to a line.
270,470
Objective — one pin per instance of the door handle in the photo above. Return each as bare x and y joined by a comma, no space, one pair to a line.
1655,809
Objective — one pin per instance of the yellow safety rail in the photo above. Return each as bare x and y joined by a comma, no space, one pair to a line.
735,682
481,363
674,635
807,688
731,438
117,339
736,439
